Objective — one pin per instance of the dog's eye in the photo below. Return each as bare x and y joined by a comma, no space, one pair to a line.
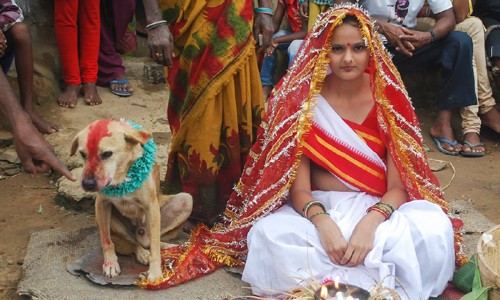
83,155
106,155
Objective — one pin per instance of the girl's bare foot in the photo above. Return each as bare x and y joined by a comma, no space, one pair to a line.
42,125
90,94
69,97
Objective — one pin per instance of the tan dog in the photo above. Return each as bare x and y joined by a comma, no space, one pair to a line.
131,212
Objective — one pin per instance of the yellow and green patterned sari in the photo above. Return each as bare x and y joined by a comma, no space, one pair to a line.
215,104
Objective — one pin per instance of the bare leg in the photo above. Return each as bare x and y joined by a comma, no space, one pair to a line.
90,94
266,91
442,129
20,37
491,119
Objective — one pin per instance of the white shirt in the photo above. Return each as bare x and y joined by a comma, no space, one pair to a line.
402,12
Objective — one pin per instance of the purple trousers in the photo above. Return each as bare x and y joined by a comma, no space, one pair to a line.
115,17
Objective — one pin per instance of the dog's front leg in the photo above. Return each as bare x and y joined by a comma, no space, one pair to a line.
110,266
153,219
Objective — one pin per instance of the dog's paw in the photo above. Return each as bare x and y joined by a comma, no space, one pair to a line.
111,268
150,277
142,255
154,273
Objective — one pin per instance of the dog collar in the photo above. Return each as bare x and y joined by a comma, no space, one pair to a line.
138,172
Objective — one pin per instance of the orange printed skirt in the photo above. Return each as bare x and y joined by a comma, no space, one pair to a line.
215,104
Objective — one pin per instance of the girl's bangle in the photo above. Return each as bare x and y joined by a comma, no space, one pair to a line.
155,24
317,214
263,10
379,210
386,205
306,207
310,204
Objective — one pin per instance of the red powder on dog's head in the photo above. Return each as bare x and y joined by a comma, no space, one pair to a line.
97,131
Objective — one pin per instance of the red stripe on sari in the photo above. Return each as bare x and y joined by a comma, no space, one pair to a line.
368,131
340,160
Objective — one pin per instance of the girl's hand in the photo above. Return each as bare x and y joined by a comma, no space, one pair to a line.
331,238
361,241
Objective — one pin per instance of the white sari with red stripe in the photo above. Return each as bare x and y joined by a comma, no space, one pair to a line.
415,245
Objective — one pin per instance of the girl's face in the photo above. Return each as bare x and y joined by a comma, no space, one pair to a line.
350,54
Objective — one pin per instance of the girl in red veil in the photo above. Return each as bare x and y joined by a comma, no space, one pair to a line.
377,172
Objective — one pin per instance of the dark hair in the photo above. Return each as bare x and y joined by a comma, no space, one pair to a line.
351,20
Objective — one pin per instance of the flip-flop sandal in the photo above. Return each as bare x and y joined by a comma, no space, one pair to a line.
440,148
472,153
118,92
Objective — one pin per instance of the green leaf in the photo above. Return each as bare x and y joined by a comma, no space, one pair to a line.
40,210
463,278
476,283
477,294
478,291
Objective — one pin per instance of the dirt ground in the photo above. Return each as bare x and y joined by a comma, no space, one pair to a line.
28,205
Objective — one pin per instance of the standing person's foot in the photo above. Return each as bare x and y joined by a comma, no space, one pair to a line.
90,95
444,140
42,125
121,87
472,145
69,97
491,119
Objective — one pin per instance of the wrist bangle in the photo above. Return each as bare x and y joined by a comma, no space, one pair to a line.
306,207
310,204
263,10
155,24
386,205
433,35
317,214
380,211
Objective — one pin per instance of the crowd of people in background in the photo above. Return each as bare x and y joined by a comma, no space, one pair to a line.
92,36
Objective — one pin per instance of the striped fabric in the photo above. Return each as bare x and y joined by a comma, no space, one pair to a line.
10,13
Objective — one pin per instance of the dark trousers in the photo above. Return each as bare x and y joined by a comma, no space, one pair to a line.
115,17
453,54
7,59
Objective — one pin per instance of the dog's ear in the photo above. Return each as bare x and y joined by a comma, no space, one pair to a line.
74,145
135,136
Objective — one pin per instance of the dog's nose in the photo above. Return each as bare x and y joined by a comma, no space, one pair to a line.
89,184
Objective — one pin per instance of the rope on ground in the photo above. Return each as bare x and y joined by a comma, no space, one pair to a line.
446,163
